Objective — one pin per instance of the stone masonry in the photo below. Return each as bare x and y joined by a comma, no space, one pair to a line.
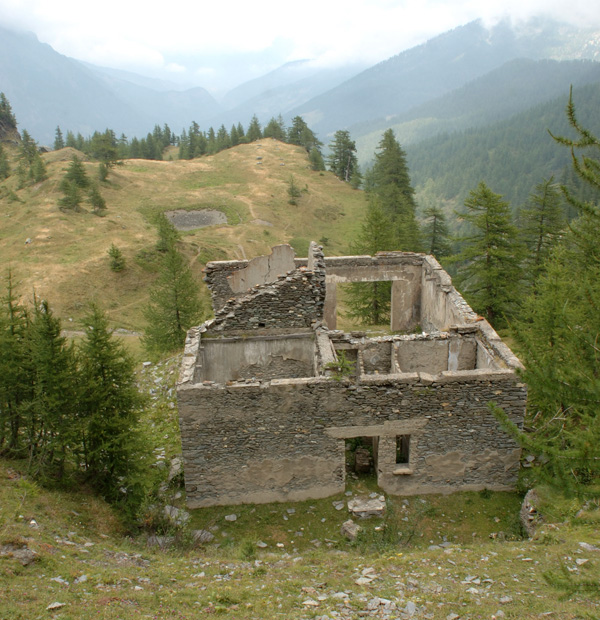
263,420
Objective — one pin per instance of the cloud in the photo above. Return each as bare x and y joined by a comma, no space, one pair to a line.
178,36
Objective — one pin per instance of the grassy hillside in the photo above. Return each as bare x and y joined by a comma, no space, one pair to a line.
64,556
62,255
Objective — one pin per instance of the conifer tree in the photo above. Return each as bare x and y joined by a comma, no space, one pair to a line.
211,142
175,304
234,136
489,270
7,117
4,165
342,160
542,224
316,159
275,128
558,337
254,130
390,181
51,411
31,167
223,139
370,302
117,260
72,196
15,371
96,200
59,142
435,233
109,409
76,174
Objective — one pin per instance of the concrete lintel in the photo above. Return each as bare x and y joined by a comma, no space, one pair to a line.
389,428
484,374
403,377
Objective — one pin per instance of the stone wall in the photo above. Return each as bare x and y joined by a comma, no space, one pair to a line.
283,441
294,300
441,304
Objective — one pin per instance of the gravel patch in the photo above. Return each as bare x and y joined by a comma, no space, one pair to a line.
188,220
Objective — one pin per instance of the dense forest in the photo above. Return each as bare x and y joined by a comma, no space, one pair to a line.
512,156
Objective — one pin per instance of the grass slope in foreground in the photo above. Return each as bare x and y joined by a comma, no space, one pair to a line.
306,570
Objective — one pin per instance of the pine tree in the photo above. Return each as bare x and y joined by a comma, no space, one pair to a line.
436,234
15,371
167,233
117,260
234,136
370,302
31,167
59,142
174,304
489,271
558,337
4,165
342,160
390,181
542,224
254,130
76,174
223,139
7,118
51,411
275,128
96,200
109,409
72,197
316,159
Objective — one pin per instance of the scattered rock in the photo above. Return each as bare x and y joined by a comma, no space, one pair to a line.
365,508
232,517
55,605
338,505
261,544
411,609
588,547
202,536
160,541
505,599
176,516
23,554
350,529
175,469
528,514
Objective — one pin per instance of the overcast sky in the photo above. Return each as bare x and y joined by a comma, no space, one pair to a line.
220,43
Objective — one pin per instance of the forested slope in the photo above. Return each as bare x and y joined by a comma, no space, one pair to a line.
510,156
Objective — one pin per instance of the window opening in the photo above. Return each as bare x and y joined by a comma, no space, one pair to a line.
402,449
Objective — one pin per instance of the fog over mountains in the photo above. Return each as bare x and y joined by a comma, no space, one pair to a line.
468,76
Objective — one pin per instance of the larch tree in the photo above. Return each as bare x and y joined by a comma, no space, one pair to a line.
558,338
370,302
389,179
342,159
489,268
254,131
175,304
543,222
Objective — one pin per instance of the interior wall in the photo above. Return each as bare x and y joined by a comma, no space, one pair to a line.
264,359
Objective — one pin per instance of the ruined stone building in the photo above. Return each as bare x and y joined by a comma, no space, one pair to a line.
263,420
